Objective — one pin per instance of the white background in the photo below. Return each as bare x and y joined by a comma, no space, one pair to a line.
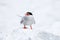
46,14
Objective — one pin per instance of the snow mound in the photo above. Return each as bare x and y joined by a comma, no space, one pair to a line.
27,34
48,36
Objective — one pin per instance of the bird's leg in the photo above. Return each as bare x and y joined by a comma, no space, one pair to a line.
30,27
25,27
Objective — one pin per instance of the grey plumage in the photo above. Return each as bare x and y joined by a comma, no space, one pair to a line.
28,20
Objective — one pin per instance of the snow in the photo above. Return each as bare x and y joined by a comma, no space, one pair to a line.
46,14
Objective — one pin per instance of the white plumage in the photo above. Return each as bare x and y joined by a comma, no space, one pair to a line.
28,20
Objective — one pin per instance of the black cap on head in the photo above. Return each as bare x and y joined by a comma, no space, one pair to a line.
29,13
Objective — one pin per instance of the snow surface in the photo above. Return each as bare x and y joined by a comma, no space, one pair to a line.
46,14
